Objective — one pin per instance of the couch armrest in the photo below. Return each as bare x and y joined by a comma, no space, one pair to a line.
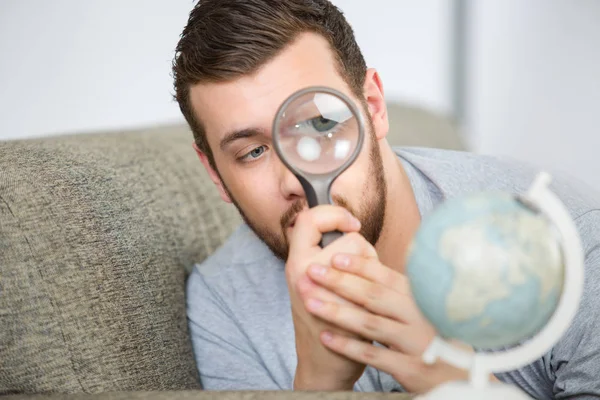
216,395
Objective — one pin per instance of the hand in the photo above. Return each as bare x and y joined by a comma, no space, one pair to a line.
387,315
318,367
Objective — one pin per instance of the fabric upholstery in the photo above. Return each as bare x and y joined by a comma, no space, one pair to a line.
208,395
415,126
95,233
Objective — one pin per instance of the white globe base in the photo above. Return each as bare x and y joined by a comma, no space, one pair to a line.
466,391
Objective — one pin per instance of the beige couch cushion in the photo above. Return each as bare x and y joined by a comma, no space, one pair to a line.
222,395
415,126
95,233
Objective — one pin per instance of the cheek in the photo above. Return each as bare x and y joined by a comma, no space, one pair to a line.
256,190
351,182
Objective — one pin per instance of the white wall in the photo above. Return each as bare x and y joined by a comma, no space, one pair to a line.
410,43
534,82
71,65
533,68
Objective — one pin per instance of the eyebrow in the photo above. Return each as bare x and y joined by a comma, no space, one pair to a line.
241,134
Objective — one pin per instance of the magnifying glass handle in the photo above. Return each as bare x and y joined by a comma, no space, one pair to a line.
329,237
317,192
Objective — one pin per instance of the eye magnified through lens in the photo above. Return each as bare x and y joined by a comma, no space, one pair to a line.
318,133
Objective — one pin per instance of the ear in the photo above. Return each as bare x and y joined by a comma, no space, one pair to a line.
214,176
373,90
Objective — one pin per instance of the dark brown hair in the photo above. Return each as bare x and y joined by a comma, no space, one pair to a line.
226,39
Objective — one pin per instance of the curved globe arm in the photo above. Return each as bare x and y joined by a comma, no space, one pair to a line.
438,348
482,364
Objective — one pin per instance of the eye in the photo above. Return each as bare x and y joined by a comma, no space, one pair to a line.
323,124
253,154
257,152
316,126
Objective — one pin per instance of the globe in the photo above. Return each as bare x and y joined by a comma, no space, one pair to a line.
486,269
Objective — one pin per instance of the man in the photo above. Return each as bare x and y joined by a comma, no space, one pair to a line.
273,310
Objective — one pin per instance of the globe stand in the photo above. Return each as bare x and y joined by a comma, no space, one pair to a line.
479,385
482,365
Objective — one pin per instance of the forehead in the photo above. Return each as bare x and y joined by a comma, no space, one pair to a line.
252,101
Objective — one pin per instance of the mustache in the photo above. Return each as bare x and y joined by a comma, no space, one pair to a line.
299,205
290,214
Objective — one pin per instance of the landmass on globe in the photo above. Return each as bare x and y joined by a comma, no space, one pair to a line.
486,270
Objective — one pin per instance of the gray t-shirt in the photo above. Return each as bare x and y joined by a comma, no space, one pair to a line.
239,310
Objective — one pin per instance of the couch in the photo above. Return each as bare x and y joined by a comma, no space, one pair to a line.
98,232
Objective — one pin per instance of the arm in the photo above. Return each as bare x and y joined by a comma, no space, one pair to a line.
386,315
319,368
224,356
575,361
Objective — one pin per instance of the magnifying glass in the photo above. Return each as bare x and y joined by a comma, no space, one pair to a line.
317,133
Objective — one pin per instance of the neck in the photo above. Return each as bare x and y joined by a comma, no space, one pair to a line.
402,217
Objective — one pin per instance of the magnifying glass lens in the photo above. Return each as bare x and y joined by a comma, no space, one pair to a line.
318,133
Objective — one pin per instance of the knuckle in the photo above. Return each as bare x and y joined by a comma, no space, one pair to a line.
303,290
373,293
334,277
353,243
294,272
369,353
371,324
333,310
358,264
361,245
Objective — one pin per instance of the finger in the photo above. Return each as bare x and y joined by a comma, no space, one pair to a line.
306,286
370,326
373,296
372,270
351,243
410,371
310,225
381,358
308,289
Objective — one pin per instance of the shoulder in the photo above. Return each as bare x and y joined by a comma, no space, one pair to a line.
242,249
239,265
457,173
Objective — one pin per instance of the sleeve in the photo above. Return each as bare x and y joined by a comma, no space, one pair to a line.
225,357
575,361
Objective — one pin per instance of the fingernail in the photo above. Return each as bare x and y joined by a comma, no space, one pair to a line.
341,260
314,304
318,270
327,337
353,220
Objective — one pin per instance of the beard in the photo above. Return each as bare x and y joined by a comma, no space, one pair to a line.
371,211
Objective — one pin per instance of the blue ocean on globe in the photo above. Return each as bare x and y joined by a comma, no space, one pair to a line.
486,270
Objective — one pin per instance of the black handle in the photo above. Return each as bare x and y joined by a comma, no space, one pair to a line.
317,192
329,237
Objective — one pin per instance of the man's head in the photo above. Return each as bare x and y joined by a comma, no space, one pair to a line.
236,62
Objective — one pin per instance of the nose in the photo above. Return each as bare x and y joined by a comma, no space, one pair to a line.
289,185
